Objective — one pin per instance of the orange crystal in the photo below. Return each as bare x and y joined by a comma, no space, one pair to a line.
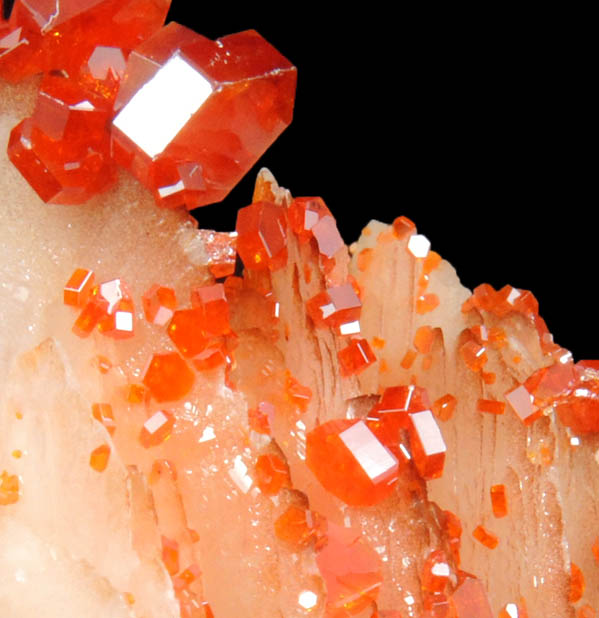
486,538
120,323
444,407
335,307
159,304
194,115
185,331
157,429
423,339
426,303
78,289
261,418
586,611
499,500
272,474
304,213
355,357
88,319
403,227
262,239
168,377
63,150
490,406
99,457
474,355
435,573
170,555
214,308
577,584
427,445
350,462
521,402
102,412
298,527
9,488
297,394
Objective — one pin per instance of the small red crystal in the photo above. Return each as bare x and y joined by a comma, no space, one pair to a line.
427,445
355,357
168,377
157,429
159,304
272,474
78,289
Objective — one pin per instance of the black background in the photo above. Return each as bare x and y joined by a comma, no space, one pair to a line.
476,125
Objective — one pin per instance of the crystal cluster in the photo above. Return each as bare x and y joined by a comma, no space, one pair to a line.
341,433
186,115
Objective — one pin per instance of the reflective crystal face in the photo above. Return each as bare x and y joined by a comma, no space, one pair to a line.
194,115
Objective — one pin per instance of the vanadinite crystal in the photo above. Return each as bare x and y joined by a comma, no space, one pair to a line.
194,115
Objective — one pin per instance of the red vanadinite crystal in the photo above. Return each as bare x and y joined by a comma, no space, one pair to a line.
522,403
390,415
403,227
304,213
486,538
262,240
444,407
350,462
212,303
63,150
427,445
299,527
170,555
159,304
490,406
499,500
577,584
260,418
194,114
102,412
168,377
185,330
336,306
435,572
78,289
356,357
157,429
272,474
99,457
9,488
49,36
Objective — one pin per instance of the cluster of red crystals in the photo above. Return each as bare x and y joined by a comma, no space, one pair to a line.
194,114
157,429
390,415
63,150
262,236
351,570
99,457
351,463
9,488
272,474
74,36
355,357
300,527
485,537
107,306
188,116
304,213
336,307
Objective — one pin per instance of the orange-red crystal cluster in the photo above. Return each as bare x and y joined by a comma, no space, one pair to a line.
186,115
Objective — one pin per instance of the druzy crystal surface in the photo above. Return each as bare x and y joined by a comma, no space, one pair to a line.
340,432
